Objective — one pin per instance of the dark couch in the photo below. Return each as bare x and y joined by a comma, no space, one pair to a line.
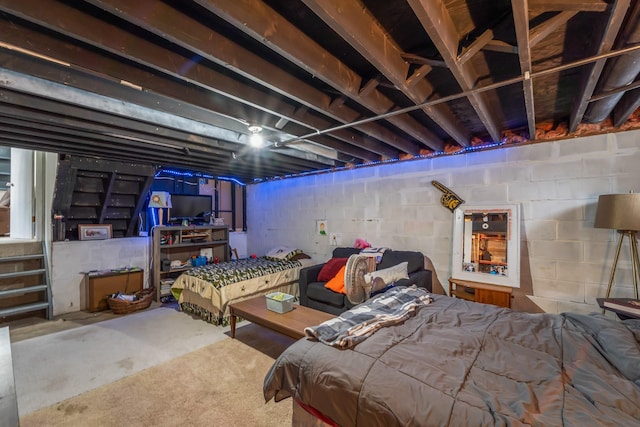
313,293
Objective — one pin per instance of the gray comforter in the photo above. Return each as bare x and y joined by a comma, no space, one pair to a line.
457,363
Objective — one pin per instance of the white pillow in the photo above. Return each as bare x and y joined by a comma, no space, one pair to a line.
282,252
390,274
278,252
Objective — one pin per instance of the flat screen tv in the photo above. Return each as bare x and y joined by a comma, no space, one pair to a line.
184,206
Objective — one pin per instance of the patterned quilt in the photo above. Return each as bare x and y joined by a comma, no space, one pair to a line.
207,291
226,273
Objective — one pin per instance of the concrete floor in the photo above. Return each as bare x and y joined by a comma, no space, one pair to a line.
30,327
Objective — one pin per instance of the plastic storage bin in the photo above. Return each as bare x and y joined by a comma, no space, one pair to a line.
279,302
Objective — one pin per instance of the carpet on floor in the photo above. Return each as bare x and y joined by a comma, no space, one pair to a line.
217,385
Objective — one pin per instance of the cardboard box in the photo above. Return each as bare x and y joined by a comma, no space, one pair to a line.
4,220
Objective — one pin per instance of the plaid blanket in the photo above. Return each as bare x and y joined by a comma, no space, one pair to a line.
356,325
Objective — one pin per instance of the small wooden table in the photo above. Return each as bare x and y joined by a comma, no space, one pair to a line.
291,323
622,315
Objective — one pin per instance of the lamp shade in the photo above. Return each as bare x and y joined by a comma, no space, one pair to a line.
618,212
160,199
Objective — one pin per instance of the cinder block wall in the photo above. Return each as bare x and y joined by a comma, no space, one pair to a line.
70,260
565,262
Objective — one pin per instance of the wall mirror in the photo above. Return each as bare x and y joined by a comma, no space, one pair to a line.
486,244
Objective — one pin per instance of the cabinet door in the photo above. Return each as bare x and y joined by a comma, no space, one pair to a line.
501,299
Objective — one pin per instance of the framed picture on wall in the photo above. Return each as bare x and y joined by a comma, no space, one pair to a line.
321,227
94,231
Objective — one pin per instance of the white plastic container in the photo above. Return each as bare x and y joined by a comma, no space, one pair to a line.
280,302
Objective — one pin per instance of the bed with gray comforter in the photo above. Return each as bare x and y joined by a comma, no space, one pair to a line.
459,363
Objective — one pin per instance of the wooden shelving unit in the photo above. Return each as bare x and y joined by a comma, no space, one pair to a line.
176,243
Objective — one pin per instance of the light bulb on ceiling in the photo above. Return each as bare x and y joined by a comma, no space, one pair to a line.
255,139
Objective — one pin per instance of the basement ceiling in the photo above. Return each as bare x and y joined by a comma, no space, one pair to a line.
332,83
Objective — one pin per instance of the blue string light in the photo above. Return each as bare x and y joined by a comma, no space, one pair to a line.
190,174
432,155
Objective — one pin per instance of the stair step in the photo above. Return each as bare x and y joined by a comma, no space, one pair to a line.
22,273
20,291
10,311
16,258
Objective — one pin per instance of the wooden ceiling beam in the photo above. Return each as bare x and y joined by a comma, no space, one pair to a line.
160,19
369,38
93,71
120,128
271,29
521,21
417,59
569,5
539,32
592,74
500,46
236,97
419,74
475,47
438,24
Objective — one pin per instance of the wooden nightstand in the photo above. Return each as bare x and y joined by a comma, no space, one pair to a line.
480,292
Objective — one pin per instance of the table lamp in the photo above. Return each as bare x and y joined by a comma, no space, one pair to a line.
621,212
160,200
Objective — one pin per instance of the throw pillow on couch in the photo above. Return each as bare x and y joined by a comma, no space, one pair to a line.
331,268
389,275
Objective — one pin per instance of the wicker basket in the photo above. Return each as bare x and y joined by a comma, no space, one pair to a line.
118,306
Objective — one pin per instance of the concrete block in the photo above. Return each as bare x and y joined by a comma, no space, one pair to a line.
566,210
581,188
590,145
556,170
539,229
531,191
487,157
510,174
583,272
543,269
627,140
560,291
540,152
578,230
556,250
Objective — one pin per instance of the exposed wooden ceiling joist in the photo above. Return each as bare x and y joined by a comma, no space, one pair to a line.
368,37
332,84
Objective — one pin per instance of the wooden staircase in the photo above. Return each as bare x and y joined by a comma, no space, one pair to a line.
24,280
